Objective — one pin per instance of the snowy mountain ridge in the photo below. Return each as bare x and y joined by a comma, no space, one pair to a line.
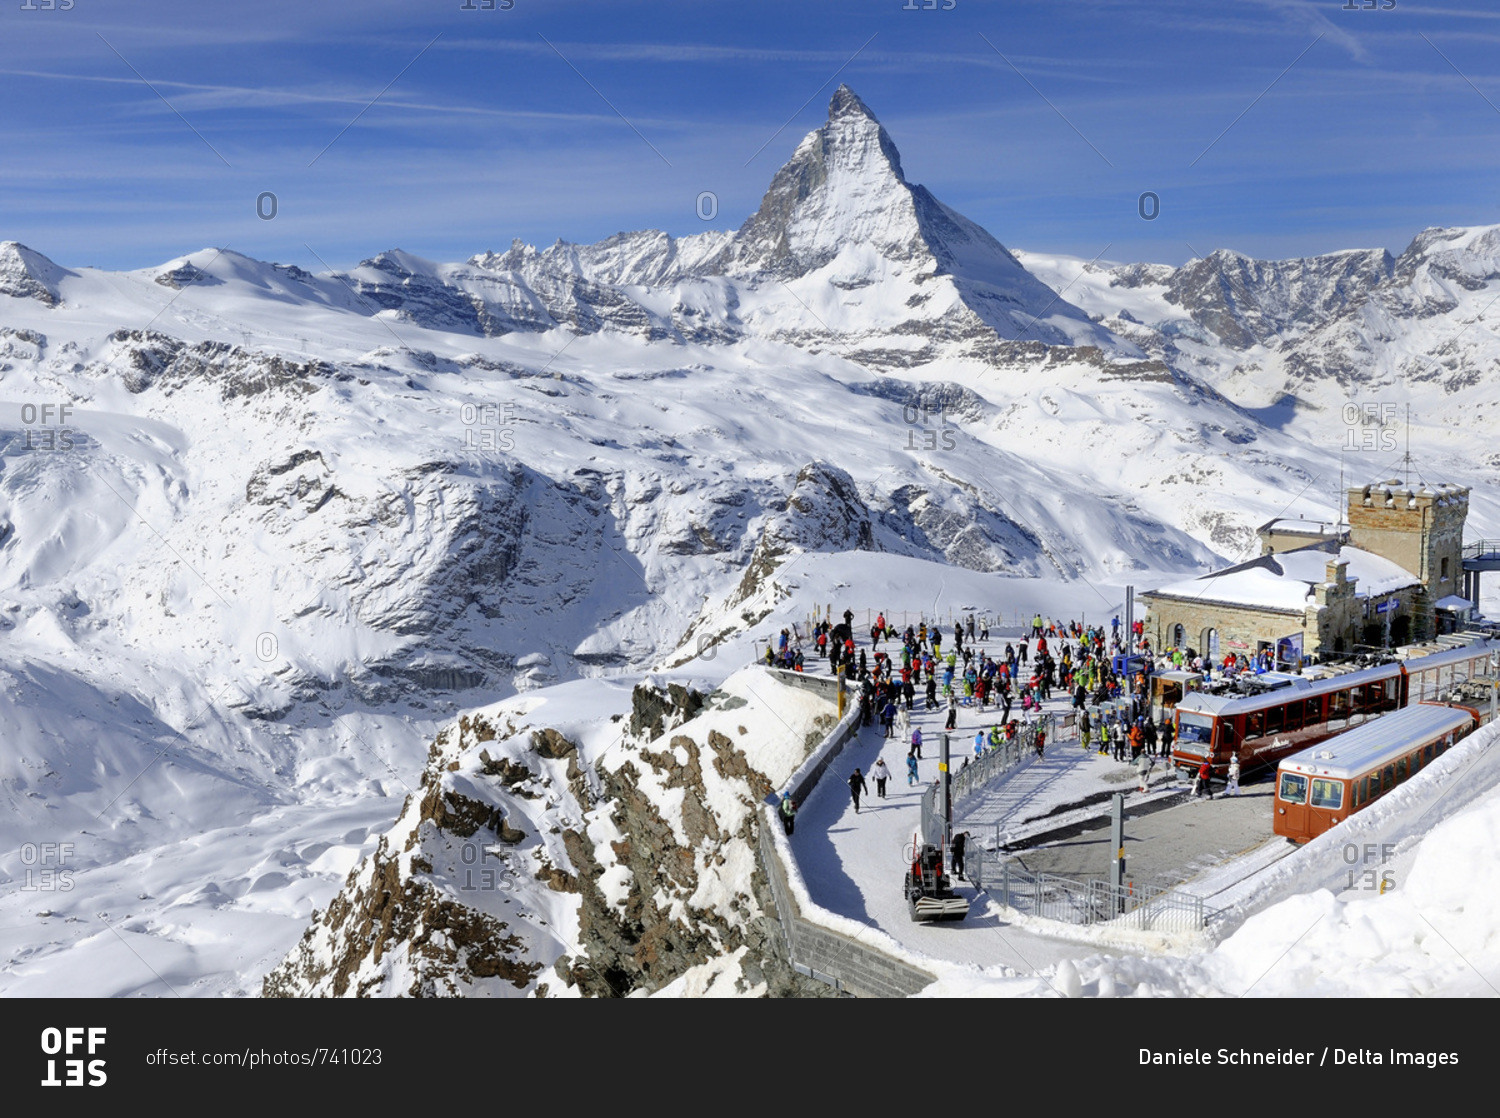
292,524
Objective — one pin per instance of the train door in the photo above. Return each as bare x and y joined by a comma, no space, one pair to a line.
1291,806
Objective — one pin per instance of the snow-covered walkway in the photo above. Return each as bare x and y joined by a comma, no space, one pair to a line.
854,862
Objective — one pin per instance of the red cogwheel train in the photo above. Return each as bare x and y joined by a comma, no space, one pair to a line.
1290,713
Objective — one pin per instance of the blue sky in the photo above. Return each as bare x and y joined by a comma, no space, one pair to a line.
135,132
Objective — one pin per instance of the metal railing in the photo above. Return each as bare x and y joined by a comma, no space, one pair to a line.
1137,905
980,771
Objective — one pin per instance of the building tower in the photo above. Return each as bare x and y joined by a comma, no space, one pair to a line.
1420,530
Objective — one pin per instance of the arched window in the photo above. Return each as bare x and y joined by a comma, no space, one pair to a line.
1179,636
1211,642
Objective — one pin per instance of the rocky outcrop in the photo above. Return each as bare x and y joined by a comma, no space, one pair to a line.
510,837
1245,302
651,904
26,274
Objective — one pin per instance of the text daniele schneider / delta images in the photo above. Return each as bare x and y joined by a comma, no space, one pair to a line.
1328,1057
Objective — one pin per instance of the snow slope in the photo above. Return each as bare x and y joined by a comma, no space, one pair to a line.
264,532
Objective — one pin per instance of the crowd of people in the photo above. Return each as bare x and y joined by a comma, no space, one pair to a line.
1104,672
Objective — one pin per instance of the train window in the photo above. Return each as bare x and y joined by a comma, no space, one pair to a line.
1391,687
1338,708
1275,720
1192,727
1293,789
1327,793
1255,725
1357,793
1388,778
1313,713
1427,754
1400,770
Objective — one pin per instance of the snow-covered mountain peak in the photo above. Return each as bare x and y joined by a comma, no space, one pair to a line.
27,274
846,102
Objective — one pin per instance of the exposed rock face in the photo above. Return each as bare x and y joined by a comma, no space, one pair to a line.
25,274
423,916
824,512
651,894
652,858
1244,301
145,359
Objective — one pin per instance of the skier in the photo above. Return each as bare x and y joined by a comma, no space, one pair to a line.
911,769
916,743
857,786
788,813
952,711
1084,728
881,775
903,723
1233,787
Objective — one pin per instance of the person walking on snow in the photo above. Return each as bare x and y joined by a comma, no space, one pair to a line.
1233,787
881,775
1143,765
952,711
788,813
857,786
916,743
1203,781
911,770
903,723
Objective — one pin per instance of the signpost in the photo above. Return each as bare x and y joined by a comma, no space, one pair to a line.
947,796
1117,840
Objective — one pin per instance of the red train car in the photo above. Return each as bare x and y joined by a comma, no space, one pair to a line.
1292,713
1318,787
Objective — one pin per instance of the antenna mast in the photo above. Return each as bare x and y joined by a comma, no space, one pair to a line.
1407,459
1338,503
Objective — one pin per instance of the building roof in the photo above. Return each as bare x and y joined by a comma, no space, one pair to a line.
1287,581
1299,526
1455,601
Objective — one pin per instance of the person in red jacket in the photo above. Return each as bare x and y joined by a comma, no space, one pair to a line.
1203,781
